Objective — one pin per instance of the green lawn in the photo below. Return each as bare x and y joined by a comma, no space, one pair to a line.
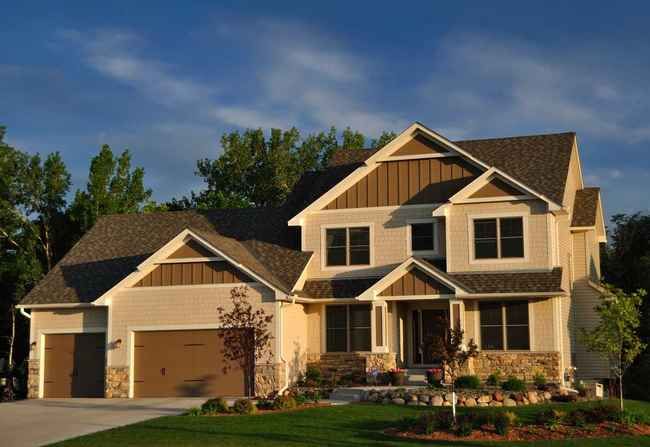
349,425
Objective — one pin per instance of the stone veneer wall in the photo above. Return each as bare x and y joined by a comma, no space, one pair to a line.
117,382
351,363
523,365
269,378
33,371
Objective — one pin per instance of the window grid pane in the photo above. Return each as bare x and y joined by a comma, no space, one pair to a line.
336,246
422,236
485,239
337,326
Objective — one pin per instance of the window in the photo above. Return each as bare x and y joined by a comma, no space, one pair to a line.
423,237
499,238
348,328
347,246
504,326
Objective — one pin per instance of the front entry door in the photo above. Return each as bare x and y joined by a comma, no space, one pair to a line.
427,325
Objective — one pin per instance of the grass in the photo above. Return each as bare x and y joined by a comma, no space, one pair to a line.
341,426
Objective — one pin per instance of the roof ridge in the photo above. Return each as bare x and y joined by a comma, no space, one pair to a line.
512,137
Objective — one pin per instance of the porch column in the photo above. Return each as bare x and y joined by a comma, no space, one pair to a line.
378,330
457,314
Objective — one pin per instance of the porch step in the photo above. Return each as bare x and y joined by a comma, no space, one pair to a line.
416,376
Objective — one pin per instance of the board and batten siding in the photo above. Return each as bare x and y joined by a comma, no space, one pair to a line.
415,282
408,182
193,273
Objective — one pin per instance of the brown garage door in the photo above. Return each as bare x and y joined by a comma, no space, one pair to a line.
74,365
183,363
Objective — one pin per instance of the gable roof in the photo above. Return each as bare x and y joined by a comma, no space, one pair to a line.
117,244
511,282
538,161
585,207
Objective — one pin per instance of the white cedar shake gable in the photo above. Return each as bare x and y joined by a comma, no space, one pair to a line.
386,153
466,194
162,256
371,293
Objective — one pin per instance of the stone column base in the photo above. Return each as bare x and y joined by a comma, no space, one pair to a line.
33,378
269,378
522,365
117,382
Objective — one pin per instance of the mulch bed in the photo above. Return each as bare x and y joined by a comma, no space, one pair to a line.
533,433
258,412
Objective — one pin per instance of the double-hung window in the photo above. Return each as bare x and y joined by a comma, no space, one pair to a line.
347,246
423,238
499,238
504,325
348,328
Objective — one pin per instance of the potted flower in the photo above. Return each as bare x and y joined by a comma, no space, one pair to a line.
397,376
434,376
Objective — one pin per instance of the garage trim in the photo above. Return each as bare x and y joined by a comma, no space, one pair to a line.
41,349
131,330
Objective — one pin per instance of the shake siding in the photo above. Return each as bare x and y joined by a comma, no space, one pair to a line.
389,245
294,338
64,320
460,244
164,308
585,298
573,179
313,313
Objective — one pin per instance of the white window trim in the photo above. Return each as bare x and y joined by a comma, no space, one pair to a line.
470,227
477,325
436,238
339,268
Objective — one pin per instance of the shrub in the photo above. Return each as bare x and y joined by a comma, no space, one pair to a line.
313,374
628,417
313,396
571,397
434,377
244,406
194,411
582,389
465,424
469,382
431,421
494,379
214,406
603,412
550,418
539,380
578,418
300,399
504,421
513,384
285,402
265,404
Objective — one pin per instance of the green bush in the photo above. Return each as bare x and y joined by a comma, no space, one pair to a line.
194,411
265,404
300,399
440,420
285,402
504,421
313,374
628,417
468,382
494,379
465,424
513,384
582,389
578,418
244,406
550,418
214,406
539,380
568,398
602,413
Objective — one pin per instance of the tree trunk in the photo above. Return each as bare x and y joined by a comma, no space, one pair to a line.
620,390
12,338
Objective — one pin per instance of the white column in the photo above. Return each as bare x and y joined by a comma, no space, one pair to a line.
378,335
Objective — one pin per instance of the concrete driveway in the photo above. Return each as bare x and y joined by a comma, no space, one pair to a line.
40,422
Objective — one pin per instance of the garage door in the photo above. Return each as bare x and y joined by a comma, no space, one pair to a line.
183,363
74,365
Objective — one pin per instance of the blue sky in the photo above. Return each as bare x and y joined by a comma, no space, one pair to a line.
166,79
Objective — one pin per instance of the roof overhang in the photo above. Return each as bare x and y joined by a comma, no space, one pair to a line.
372,292
57,306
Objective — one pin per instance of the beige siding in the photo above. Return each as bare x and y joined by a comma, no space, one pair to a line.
64,320
294,338
585,298
174,308
574,181
314,327
389,241
536,233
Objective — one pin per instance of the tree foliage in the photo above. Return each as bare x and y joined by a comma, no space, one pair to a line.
246,336
112,188
616,335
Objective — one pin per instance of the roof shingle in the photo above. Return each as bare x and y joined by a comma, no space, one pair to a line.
585,207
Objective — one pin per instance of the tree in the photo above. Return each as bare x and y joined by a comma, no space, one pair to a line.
246,337
383,140
112,188
453,354
616,334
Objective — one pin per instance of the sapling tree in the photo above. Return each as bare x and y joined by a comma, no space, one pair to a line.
246,336
616,335
453,354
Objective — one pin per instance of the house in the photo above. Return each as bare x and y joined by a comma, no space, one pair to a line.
365,262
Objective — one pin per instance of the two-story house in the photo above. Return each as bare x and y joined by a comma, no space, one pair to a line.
364,264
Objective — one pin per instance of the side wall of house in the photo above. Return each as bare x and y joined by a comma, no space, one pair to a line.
295,340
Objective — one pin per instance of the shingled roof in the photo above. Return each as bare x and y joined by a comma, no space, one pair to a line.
117,244
511,282
538,161
336,288
585,207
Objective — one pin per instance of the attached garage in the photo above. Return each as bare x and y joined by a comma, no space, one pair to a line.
183,363
74,365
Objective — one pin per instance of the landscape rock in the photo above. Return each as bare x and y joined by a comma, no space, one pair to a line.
532,397
470,402
398,401
509,402
498,396
436,401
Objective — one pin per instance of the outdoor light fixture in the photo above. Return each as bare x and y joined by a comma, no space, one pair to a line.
32,345
117,343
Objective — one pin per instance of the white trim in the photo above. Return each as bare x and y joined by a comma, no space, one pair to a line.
418,297
463,196
436,238
374,347
346,268
41,349
470,226
197,286
54,306
185,260
300,282
418,156
499,199
366,210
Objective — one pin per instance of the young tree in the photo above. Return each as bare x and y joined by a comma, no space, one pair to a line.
246,336
383,140
616,334
453,354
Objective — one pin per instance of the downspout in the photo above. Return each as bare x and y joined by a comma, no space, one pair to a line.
25,314
282,359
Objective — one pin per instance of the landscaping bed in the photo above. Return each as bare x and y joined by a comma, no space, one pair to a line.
291,400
